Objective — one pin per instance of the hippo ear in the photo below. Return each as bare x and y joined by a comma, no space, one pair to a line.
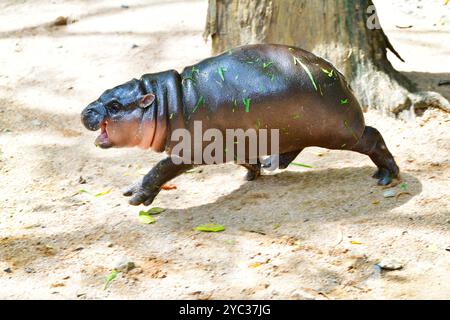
146,100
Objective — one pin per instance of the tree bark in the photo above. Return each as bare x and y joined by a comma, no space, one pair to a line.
345,32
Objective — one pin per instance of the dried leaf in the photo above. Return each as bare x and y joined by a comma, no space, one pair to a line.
255,265
168,186
356,242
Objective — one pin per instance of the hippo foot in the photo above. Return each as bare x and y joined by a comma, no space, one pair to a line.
140,195
252,175
384,176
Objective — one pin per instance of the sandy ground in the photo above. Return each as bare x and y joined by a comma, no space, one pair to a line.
296,234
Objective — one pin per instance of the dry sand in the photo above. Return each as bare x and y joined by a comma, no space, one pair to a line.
296,234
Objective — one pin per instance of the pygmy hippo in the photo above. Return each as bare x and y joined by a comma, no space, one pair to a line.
249,87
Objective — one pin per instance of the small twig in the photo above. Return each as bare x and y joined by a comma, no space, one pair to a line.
404,27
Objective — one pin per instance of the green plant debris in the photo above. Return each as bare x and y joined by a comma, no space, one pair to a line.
344,145
328,73
351,130
210,227
146,218
171,116
344,101
195,70
291,49
100,194
258,124
403,186
221,72
82,191
320,89
296,116
154,210
110,278
201,101
297,164
246,102
267,64
190,171
297,61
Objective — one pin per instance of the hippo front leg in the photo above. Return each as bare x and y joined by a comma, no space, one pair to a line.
146,191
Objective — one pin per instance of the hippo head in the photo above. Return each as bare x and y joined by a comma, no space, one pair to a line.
124,115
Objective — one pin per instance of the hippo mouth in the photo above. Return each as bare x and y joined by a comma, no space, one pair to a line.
102,140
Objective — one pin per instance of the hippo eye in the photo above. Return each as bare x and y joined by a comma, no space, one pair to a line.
115,106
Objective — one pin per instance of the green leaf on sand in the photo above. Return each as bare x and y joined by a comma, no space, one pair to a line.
210,227
403,186
110,278
297,164
344,101
103,193
155,210
146,218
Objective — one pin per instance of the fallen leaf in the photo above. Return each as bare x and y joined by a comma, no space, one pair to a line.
375,202
168,187
210,227
103,193
403,186
402,194
255,265
356,242
57,284
146,218
154,210
390,193
110,278
300,165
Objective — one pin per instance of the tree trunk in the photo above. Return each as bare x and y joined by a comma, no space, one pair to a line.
346,32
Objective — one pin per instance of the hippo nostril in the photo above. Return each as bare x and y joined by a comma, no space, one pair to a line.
93,116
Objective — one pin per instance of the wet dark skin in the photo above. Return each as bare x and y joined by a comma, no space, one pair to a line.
256,86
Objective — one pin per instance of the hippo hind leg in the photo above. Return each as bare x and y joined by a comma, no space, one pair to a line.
373,145
253,171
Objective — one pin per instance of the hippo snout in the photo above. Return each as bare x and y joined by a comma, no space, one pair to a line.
93,116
